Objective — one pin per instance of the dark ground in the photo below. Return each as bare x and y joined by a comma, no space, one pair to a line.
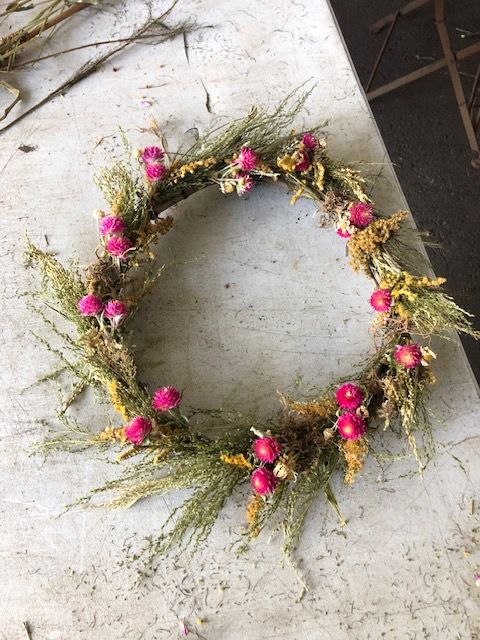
424,135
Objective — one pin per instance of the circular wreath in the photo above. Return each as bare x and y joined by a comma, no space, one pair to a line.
289,460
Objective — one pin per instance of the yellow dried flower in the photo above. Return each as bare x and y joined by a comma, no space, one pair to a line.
254,506
407,287
319,173
324,407
400,310
287,163
366,243
352,179
264,168
355,452
237,460
115,398
110,434
191,167
129,453
296,195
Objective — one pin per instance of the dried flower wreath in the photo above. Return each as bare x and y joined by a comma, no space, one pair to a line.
288,461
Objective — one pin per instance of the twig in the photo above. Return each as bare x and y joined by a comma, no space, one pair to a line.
81,46
16,97
26,628
21,37
92,65
29,35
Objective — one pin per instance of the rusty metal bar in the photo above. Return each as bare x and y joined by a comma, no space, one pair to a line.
408,8
423,71
381,52
455,77
473,93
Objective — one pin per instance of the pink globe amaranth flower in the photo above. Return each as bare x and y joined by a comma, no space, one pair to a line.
349,396
166,398
112,224
263,481
90,305
155,171
408,355
304,162
137,429
118,246
266,449
244,184
350,426
247,159
381,300
115,310
361,215
151,154
309,140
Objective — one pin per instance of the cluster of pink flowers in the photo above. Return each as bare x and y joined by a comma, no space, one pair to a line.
113,228
139,428
266,450
152,158
358,216
303,154
92,305
350,425
239,170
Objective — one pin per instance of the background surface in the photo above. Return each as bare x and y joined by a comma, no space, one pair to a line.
291,317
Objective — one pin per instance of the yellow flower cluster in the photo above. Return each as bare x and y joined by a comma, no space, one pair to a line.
408,287
254,506
115,398
355,452
264,168
237,460
324,407
366,243
110,434
191,167
319,172
287,163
